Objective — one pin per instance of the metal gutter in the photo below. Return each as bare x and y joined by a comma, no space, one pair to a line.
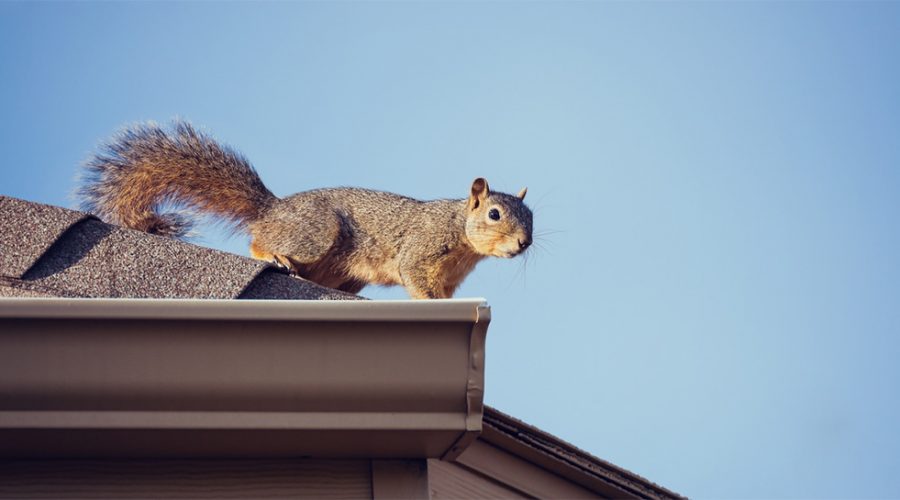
466,310
203,378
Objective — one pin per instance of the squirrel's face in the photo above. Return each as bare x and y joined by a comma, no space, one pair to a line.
497,224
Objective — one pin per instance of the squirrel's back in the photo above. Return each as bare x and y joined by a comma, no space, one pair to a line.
145,167
384,216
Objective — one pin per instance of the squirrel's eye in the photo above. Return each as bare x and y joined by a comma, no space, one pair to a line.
494,214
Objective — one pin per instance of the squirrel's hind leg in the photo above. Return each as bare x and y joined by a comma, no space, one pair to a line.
279,260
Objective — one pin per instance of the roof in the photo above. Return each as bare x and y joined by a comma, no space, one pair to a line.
54,252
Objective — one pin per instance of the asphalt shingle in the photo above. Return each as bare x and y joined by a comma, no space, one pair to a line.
58,252
27,230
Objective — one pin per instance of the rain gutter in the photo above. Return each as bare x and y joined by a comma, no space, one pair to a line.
211,378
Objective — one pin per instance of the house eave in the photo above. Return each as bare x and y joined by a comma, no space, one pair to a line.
221,378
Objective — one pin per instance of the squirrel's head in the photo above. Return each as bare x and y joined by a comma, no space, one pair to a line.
497,224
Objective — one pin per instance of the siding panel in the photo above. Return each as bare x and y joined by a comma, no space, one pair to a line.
188,479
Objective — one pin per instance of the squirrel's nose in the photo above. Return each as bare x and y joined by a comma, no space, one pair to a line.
524,244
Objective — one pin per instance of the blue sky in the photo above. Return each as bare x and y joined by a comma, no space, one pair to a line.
715,303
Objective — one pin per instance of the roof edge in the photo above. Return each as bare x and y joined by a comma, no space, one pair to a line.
565,459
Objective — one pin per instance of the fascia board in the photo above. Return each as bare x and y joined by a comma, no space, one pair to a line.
135,377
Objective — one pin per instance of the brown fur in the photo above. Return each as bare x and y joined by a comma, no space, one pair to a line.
343,238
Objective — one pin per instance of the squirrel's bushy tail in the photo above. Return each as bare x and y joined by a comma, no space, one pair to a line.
144,168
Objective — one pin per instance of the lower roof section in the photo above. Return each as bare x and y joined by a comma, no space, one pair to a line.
191,378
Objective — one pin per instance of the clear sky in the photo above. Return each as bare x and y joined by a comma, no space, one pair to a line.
714,301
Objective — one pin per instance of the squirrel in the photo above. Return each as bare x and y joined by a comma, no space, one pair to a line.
343,238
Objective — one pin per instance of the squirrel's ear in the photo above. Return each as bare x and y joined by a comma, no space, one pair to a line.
522,193
480,191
